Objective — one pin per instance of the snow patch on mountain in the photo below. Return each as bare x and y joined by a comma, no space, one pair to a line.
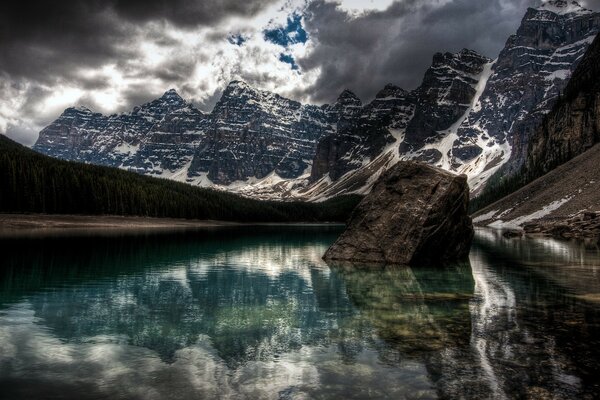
564,7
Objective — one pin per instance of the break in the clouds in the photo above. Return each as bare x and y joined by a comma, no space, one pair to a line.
110,55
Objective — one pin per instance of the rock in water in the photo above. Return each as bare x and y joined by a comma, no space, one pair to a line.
415,213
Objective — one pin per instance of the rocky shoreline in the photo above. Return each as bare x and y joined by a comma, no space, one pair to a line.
582,225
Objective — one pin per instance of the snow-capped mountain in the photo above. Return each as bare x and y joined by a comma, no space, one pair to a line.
115,140
255,133
472,115
469,115
249,135
528,76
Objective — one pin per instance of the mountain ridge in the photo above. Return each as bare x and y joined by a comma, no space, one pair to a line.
263,145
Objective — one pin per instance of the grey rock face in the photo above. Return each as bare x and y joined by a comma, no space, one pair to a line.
171,143
362,132
250,133
415,213
254,133
530,72
573,126
445,94
469,116
406,120
81,135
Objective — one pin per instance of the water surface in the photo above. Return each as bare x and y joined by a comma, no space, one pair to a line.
254,312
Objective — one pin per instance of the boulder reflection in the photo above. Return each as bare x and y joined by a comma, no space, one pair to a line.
417,309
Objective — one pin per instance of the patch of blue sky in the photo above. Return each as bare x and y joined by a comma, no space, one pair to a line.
293,32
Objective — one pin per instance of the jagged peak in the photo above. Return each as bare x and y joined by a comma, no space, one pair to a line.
172,97
169,98
470,53
465,57
348,96
391,90
236,83
238,86
78,109
563,7
171,93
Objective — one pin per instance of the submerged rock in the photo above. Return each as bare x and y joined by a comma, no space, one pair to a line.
415,214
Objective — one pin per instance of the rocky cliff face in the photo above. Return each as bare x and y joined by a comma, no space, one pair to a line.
563,155
399,124
444,96
363,134
120,140
471,116
415,214
573,126
530,72
249,134
255,133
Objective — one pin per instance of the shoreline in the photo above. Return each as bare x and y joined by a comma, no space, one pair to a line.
18,224
69,221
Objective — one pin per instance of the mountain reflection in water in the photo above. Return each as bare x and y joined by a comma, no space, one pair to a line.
254,312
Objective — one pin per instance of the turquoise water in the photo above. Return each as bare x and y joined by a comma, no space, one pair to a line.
254,312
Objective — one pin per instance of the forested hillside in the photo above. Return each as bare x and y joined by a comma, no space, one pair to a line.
32,182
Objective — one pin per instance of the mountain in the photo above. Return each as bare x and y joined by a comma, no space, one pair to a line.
32,182
399,125
470,115
249,135
82,135
530,72
254,133
573,126
559,179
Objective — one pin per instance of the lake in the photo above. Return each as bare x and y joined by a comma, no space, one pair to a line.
253,312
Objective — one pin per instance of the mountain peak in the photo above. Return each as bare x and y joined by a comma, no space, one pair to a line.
563,7
236,83
78,109
169,101
172,95
237,87
348,97
464,59
390,91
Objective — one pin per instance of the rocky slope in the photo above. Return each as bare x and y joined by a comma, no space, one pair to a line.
255,133
564,199
82,135
249,135
472,116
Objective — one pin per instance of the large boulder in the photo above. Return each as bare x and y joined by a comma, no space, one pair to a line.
415,213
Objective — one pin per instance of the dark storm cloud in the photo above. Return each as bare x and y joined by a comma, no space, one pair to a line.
48,40
396,45
189,13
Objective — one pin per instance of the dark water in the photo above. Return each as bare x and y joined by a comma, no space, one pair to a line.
254,313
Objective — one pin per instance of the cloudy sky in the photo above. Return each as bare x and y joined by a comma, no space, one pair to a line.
112,54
